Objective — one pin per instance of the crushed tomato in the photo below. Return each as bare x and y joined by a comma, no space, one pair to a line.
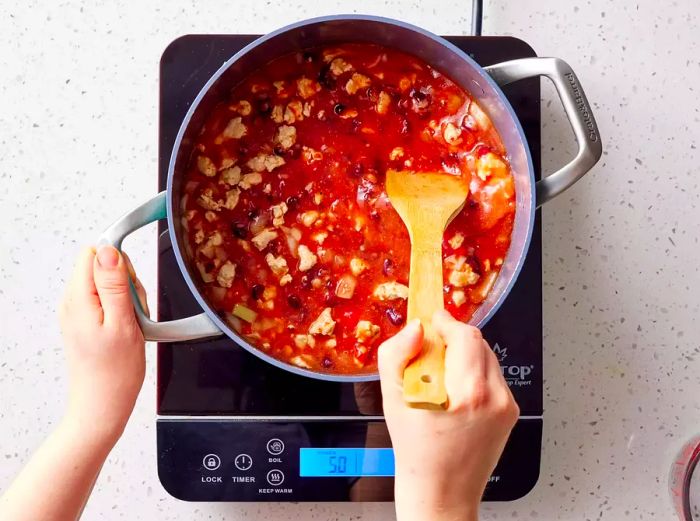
287,219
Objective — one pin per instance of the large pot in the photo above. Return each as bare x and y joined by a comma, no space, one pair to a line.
482,83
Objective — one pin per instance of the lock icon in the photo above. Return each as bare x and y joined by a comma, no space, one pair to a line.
211,462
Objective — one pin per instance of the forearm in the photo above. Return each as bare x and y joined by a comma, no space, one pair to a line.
64,469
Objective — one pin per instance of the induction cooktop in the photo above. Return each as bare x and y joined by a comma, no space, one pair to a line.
232,427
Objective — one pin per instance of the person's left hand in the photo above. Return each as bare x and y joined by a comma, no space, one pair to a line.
103,341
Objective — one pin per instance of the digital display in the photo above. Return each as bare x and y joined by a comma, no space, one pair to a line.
345,462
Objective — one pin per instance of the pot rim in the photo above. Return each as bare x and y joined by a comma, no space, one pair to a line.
225,328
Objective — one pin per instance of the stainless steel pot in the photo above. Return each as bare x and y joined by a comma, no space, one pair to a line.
482,83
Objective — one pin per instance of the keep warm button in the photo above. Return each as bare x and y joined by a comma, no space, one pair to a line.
275,477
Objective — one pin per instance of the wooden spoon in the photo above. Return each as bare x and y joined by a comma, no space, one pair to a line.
427,203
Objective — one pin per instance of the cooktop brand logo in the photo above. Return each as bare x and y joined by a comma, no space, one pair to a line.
501,352
515,375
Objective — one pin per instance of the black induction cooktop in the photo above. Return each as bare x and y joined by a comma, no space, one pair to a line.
232,427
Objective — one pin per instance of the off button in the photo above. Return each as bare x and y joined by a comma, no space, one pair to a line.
275,446
275,477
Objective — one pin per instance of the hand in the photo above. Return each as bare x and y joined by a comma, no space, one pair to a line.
444,458
104,344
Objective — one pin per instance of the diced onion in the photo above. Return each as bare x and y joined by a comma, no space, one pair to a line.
218,293
234,322
346,286
259,223
265,324
221,254
292,240
206,277
481,292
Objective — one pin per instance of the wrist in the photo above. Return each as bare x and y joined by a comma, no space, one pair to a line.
99,434
421,497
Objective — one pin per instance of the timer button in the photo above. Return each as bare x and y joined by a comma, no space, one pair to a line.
275,447
243,462
275,477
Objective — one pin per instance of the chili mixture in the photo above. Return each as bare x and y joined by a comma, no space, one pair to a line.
286,216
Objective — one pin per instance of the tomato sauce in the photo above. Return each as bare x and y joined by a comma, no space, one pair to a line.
287,219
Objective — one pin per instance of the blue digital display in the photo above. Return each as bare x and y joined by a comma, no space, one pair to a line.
329,463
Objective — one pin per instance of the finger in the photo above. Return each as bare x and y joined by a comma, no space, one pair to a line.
395,354
81,291
140,290
112,283
465,361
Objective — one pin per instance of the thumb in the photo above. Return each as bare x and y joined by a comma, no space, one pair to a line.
395,354
112,283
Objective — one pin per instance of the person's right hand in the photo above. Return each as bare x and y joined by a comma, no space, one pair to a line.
444,458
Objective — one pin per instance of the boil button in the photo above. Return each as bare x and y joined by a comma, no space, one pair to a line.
275,446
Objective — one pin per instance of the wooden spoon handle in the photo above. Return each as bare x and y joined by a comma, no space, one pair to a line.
424,378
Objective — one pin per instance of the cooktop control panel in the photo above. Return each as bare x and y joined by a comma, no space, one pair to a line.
321,460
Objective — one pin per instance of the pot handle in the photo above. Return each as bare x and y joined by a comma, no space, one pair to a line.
577,109
190,328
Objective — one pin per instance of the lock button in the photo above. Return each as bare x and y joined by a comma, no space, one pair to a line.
211,462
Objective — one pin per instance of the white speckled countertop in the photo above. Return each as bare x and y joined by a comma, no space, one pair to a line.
78,130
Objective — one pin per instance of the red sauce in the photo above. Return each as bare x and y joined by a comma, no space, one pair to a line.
310,136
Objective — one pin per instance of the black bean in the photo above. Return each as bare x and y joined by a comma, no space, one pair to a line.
278,150
326,362
254,214
309,56
388,267
339,108
395,317
256,291
292,202
209,266
294,301
264,106
325,78
239,229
